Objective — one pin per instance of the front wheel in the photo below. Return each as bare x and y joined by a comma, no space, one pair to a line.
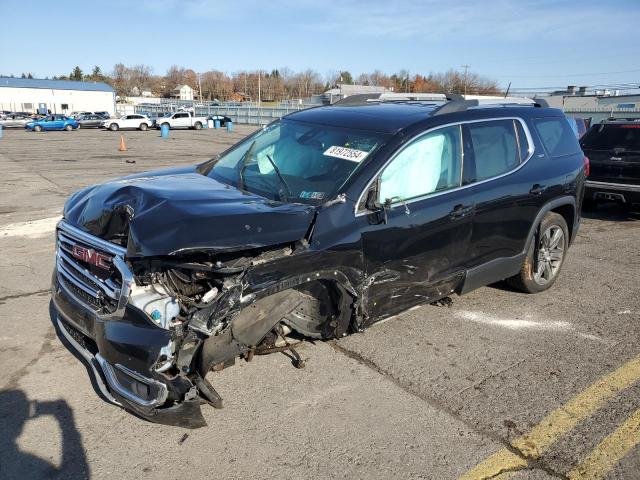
545,256
113,127
143,126
68,128
37,128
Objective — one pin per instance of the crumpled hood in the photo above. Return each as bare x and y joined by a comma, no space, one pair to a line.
179,209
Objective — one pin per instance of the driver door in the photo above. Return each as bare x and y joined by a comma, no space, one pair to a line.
415,245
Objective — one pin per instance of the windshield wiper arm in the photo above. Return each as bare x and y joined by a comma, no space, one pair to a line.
243,164
282,180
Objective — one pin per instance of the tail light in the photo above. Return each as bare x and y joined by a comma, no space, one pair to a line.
587,166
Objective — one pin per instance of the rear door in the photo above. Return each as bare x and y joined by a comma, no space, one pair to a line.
614,152
419,253
507,199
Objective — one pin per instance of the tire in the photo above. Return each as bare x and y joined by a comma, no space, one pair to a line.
197,125
143,126
78,127
37,128
550,243
68,128
114,127
165,123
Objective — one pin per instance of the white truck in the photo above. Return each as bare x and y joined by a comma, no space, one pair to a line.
181,120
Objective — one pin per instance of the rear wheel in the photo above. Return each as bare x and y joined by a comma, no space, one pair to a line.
113,127
197,125
545,257
143,126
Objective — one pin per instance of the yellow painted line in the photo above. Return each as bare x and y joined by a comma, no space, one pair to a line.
610,451
560,421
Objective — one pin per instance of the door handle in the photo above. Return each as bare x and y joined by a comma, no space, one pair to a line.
460,211
537,189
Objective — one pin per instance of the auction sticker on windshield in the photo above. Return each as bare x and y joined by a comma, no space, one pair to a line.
346,153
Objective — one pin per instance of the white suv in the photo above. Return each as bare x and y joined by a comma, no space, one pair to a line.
140,122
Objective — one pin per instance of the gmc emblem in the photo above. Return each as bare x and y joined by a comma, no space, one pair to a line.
90,256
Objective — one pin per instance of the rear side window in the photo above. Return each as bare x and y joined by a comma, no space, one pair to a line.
557,136
610,137
495,147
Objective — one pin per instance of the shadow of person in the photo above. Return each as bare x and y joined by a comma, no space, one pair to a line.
15,411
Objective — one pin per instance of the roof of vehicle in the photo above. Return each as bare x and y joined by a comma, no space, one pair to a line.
613,121
390,117
54,84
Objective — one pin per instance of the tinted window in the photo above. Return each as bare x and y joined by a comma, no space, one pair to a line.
495,147
430,164
610,136
557,136
181,115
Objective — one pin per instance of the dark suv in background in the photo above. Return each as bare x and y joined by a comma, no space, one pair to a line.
321,223
613,148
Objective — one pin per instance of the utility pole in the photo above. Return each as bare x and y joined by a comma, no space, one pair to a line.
466,69
259,97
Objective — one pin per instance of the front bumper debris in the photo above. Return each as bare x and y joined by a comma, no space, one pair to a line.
121,345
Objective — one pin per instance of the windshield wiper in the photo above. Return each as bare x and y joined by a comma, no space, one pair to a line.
282,180
243,164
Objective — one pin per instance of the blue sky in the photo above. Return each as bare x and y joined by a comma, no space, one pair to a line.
532,43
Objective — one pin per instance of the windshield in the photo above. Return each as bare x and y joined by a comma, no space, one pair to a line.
625,137
296,162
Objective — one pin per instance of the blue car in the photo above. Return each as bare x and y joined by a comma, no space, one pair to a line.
53,122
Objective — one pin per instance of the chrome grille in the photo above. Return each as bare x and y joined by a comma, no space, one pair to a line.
103,291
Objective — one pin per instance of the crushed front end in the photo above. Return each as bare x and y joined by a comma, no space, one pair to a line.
141,327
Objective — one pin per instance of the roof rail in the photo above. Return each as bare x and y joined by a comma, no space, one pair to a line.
455,106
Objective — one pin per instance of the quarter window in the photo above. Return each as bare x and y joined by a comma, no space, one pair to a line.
432,163
557,136
495,147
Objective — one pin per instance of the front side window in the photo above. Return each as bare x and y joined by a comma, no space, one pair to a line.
432,163
495,147
295,162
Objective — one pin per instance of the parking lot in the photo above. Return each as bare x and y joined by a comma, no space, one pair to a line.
498,385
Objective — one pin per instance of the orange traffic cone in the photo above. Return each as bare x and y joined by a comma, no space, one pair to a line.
123,146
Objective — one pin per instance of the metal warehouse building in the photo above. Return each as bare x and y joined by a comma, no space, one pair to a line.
55,96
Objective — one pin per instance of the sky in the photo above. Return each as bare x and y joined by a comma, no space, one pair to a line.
531,43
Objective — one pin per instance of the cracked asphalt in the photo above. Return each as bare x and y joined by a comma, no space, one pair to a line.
499,385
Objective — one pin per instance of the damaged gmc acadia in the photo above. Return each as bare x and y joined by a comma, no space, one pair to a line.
315,226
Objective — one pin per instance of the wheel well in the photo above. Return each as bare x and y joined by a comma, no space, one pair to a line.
325,310
569,214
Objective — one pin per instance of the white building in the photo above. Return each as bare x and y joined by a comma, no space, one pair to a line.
182,92
57,96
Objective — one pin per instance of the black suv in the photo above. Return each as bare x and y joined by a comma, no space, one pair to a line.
613,148
319,225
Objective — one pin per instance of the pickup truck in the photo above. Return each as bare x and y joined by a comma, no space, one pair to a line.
181,120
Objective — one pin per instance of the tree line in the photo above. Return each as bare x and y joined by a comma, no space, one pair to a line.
275,85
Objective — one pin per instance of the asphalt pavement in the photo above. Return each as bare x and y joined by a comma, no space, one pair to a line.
498,385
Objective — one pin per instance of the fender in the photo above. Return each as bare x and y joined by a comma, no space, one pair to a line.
547,207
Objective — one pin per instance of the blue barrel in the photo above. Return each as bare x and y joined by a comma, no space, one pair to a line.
216,124
0,131
164,131
229,126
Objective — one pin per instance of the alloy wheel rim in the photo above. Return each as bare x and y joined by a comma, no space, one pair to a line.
550,255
